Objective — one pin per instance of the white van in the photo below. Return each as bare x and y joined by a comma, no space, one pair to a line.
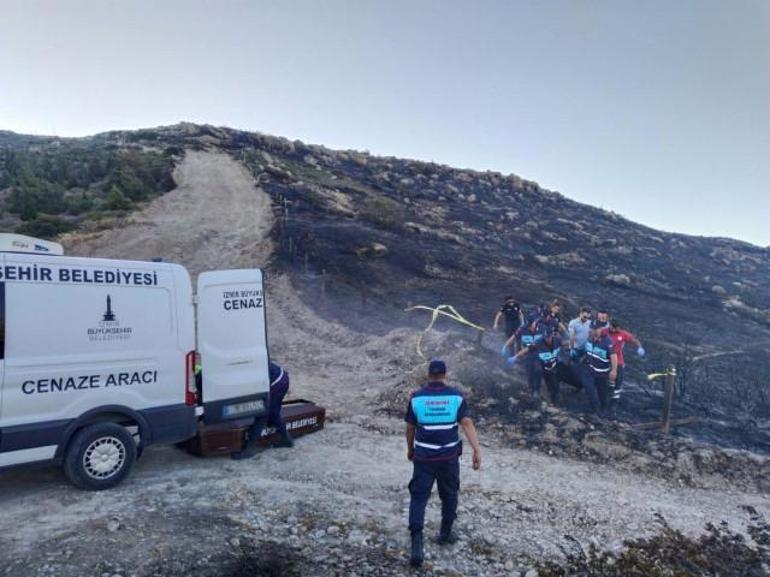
97,357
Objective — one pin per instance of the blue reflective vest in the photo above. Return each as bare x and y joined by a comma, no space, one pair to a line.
547,354
529,337
598,353
436,411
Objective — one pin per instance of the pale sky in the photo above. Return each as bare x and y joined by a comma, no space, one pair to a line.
655,109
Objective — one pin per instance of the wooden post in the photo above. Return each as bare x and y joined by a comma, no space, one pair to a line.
668,399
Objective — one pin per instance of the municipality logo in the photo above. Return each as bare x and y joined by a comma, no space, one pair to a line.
109,316
109,329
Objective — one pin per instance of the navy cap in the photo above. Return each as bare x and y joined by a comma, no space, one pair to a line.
437,368
597,324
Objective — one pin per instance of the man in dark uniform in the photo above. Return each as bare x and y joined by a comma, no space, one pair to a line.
433,444
279,386
600,369
542,358
527,335
551,315
511,311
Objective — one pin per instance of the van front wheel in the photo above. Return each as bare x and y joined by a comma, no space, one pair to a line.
99,456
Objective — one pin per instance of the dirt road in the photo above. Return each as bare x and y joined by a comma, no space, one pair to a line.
216,217
335,504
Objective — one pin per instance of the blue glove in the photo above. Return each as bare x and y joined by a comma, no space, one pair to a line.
641,352
512,361
573,354
504,351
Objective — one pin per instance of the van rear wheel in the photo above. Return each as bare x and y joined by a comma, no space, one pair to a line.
100,456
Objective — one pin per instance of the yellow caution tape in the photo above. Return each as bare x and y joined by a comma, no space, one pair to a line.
436,311
653,376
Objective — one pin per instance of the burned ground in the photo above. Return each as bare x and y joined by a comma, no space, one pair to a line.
370,236
502,407
719,551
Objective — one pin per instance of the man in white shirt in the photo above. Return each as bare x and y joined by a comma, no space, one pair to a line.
579,331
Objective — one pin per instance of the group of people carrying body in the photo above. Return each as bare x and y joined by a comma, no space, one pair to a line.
540,341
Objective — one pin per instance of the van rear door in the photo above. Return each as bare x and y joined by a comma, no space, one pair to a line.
232,341
2,341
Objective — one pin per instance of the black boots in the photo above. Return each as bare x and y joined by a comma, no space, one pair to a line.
249,450
417,554
445,535
286,440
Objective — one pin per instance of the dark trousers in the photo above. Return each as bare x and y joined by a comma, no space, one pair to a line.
273,418
552,383
618,390
509,332
534,375
446,474
597,387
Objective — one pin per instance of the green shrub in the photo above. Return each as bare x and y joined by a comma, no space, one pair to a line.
79,203
383,211
40,179
45,226
116,200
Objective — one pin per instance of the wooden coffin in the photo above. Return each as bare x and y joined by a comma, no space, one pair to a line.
301,417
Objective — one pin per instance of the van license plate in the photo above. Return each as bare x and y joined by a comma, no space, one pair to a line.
242,408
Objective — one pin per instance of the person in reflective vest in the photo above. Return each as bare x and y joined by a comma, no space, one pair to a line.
529,335
542,356
433,416
525,335
600,369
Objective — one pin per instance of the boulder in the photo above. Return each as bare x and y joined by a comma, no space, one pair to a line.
618,279
719,290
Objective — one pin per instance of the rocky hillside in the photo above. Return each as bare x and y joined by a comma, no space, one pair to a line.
366,236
